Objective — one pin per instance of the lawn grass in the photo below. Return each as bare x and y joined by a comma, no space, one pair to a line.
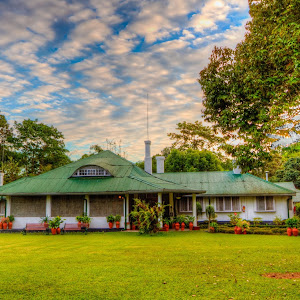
123,265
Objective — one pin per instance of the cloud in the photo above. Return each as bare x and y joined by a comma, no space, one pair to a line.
86,67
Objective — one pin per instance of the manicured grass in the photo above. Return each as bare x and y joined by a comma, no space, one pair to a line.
177,265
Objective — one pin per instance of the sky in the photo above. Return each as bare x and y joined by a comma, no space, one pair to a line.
86,67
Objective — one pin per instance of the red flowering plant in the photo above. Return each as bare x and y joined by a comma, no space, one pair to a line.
234,218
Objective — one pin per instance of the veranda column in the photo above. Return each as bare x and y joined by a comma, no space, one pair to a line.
87,208
171,202
127,222
159,200
48,205
194,209
8,205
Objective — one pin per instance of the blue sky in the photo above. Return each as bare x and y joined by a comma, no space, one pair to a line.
86,66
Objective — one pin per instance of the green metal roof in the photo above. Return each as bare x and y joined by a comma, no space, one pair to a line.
126,178
226,183
290,185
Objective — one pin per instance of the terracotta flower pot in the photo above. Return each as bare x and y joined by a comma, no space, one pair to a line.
79,224
295,232
46,224
289,231
86,225
133,227
212,229
1,225
191,225
9,225
173,225
4,225
166,227
58,230
110,224
53,231
239,230
245,231
117,224
177,225
182,226
235,229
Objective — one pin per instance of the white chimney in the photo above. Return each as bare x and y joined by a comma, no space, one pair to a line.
1,178
160,164
236,169
148,159
267,175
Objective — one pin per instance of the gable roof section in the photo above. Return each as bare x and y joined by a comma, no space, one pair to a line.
226,183
126,178
290,185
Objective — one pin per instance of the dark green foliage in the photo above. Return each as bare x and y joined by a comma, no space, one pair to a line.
192,161
247,90
41,147
148,217
291,172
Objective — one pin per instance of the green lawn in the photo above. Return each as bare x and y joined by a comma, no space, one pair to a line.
178,265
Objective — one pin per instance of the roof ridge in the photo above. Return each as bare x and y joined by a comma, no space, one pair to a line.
144,181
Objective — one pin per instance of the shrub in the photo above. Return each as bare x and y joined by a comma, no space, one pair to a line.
117,218
234,218
110,218
278,220
148,216
257,221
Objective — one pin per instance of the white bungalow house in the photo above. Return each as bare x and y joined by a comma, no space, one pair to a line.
106,183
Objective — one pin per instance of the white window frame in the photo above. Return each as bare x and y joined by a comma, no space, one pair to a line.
265,200
189,201
91,171
231,210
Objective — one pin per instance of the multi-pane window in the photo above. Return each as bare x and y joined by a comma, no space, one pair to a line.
186,205
91,171
228,204
265,203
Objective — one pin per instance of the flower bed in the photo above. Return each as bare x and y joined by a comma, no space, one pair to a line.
255,230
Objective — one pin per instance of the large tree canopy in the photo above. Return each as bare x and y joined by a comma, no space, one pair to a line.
254,89
42,147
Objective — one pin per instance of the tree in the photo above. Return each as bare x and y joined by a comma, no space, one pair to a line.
40,146
94,149
195,136
192,161
253,90
291,171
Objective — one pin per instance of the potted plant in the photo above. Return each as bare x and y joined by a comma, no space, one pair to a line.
53,226
79,220
45,221
85,221
181,220
1,224
177,224
191,220
210,213
117,219
234,218
167,223
213,227
290,223
133,217
5,222
110,220
10,221
243,224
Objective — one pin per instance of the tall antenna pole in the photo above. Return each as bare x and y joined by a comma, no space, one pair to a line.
147,119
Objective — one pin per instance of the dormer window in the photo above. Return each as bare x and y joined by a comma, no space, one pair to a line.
89,171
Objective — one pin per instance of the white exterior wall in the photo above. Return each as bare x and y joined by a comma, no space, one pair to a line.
96,222
249,202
